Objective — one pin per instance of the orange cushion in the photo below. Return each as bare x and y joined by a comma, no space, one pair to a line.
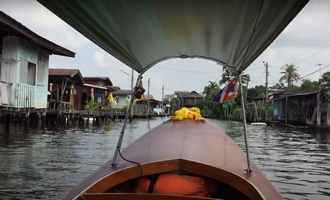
181,184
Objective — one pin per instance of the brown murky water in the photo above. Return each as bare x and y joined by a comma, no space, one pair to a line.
45,164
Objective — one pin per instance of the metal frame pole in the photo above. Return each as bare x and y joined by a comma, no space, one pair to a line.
248,170
122,132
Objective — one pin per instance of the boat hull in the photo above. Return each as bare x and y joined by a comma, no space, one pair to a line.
200,148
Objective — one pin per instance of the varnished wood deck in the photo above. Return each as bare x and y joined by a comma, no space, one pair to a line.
198,147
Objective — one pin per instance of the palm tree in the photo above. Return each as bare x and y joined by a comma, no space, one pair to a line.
290,74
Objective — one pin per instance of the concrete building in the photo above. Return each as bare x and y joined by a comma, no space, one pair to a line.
24,57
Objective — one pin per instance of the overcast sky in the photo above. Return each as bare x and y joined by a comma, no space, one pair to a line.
305,43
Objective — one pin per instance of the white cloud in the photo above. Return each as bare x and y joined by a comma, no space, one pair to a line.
100,59
305,42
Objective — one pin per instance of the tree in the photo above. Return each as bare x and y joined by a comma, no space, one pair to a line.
308,85
211,90
256,92
290,74
278,86
325,81
225,75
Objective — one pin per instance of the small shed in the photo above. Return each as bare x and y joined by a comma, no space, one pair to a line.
296,107
24,60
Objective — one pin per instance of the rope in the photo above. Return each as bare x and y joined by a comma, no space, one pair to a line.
131,161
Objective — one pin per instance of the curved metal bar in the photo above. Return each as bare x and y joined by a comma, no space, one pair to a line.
149,66
122,132
248,170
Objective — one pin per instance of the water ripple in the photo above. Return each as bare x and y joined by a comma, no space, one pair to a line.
45,164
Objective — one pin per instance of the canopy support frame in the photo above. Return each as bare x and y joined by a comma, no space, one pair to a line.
127,114
248,170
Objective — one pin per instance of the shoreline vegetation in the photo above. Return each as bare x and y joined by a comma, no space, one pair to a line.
258,107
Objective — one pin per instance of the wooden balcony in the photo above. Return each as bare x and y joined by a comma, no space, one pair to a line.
21,95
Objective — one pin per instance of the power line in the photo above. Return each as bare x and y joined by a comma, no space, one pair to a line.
313,72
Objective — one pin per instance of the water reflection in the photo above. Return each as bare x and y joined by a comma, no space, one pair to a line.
41,163
297,161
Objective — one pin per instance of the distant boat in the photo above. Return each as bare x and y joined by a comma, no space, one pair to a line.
198,149
258,124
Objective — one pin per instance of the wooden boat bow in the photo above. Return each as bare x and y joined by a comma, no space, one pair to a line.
200,148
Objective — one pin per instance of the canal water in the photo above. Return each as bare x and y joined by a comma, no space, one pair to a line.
45,164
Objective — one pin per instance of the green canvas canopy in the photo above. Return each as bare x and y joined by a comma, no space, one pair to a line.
141,33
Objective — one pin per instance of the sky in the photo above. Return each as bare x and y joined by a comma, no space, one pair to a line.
305,43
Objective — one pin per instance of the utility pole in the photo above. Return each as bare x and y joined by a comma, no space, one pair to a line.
162,105
266,80
266,89
162,92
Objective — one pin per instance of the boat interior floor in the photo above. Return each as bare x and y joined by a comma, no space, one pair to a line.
169,184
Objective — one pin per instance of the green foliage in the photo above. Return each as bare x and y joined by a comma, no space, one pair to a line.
256,92
91,105
211,90
325,81
278,86
308,85
210,109
325,87
290,74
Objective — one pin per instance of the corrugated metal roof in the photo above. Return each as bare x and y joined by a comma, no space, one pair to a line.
105,79
14,27
121,92
187,94
95,86
295,94
63,72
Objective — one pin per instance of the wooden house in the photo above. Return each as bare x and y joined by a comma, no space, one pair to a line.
91,92
145,106
65,89
24,60
186,99
98,80
70,91
304,108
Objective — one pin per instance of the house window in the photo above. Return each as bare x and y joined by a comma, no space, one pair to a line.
31,75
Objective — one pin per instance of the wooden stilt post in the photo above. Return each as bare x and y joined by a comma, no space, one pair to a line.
318,111
286,110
